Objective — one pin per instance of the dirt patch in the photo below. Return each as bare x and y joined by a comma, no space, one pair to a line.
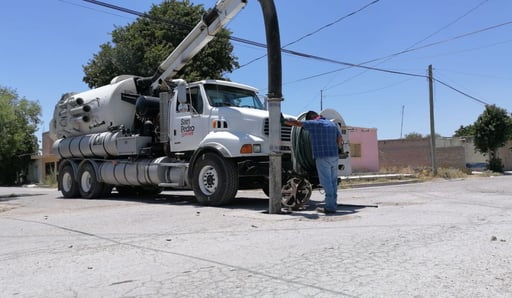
4,207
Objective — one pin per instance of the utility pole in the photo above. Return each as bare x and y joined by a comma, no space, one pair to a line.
402,122
432,126
321,100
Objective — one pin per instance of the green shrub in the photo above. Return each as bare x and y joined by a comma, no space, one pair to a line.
496,165
50,180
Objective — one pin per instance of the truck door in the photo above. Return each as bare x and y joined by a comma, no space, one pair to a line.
189,124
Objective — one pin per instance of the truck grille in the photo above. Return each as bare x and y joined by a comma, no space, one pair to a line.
286,132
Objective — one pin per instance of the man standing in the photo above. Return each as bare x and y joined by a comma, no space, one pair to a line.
325,139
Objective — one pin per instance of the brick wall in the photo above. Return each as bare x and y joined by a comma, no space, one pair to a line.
505,153
416,153
47,143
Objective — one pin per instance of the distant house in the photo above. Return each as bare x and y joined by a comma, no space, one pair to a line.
45,164
364,149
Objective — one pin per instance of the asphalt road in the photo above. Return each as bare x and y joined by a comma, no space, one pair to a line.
445,238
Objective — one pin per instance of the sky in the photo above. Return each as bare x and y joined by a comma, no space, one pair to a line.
46,43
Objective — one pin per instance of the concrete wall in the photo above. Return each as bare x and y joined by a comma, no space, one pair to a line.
416,153
450,153
505,153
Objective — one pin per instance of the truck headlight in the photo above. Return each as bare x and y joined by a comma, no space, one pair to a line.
256,148
250,148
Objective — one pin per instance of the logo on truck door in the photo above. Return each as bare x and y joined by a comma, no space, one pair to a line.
186,128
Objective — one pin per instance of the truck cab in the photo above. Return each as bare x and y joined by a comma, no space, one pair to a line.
217,111
225,122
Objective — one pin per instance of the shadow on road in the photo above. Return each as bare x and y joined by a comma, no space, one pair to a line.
248,203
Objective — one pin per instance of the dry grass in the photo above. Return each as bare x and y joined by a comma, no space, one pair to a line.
50,180
423,173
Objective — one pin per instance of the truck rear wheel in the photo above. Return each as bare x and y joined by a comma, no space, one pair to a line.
68,185
89,186
214,180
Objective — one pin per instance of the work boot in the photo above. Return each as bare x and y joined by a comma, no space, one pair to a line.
325,211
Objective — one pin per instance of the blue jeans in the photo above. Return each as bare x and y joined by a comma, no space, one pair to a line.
327,168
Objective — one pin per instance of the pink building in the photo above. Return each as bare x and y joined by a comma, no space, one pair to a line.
364,149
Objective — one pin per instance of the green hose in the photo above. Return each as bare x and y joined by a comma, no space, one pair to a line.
301,148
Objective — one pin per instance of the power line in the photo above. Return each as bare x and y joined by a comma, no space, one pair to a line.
361,65
463,93
449,24
317,30
258,44
318,57
446,40
413,45
90,8
314,57
139,14
119,8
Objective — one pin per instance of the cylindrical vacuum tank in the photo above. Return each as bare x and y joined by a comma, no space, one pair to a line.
95,110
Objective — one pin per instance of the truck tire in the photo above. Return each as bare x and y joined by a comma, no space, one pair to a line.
214,180
88,184
67,182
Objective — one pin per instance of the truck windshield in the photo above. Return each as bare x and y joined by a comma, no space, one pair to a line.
228,96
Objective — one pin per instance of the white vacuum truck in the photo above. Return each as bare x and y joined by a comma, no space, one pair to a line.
142,135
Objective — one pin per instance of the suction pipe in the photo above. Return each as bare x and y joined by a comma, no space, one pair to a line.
274,102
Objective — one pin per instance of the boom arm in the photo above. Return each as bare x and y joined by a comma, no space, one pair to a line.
199,37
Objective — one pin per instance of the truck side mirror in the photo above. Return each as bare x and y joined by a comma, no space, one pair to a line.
182,92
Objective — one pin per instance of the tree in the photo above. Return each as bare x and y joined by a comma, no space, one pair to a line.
465,131
492,129
141,46
413,136
19,119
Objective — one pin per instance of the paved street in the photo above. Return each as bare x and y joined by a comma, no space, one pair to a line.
445,238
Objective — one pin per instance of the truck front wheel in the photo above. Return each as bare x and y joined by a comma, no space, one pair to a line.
89,186
214,180
68,185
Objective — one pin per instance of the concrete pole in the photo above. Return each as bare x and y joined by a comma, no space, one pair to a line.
432,126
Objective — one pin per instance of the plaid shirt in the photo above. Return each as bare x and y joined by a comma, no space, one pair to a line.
323,136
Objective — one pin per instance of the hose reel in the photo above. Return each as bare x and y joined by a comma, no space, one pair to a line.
296,192
303,162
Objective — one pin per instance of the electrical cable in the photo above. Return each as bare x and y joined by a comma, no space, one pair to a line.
315,31
463,93
295,53
360,65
